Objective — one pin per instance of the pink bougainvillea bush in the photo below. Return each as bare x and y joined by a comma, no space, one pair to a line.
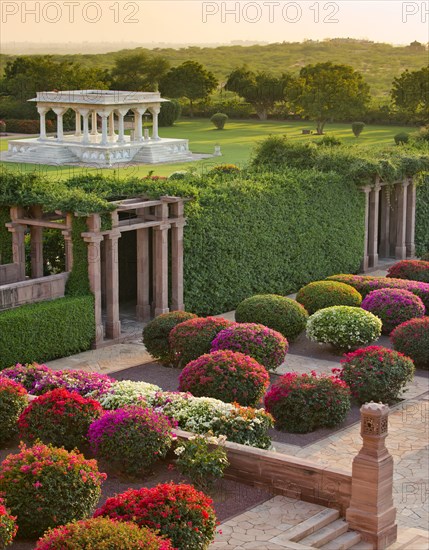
412,339
59,417
28,375
102,533
393,306
131,439
8,526
264,344
375,373
302,403
226,375
194,337
13,400
180,512
45,487
414,270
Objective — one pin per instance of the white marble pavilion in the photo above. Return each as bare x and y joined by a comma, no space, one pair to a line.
87,144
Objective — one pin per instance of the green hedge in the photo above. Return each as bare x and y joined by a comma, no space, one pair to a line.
46,330
422,215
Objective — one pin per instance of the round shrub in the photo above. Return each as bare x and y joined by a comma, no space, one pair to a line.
402,138
277,312
344,327
219,120
412,339
224,170
13,400
59,417
156,332
414,270
131,439
302,403
375,373
393,306
226,375
102,534
28,375
8,526
127,392
180,512
46,487
321,294
193,338
264,344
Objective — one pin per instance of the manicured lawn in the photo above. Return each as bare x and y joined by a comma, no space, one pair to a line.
236,140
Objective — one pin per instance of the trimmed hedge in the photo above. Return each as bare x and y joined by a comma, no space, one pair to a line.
422,215
46,330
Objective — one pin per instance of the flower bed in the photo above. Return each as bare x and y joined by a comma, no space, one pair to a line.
127,392
8,526
412,339
321,294
13,400
414,270
28,375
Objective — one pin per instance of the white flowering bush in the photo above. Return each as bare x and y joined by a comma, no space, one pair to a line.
127,392
345,327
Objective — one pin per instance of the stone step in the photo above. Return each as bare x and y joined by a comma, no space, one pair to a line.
305,528
363,545
343,542
326,534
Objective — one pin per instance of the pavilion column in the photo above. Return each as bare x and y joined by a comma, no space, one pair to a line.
385,208
85,115
177,257
68,243
94,130
411,219
112,124
60,131
364,264
155,112
78,124
161,259
121,127
374,198
401,221
104,117
42,112
113,324
138,124
94,238
143,272
36,243
18,242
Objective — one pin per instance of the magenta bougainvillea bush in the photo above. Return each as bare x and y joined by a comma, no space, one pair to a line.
412,339
226,375
28,375
264,344
13,400
131,439
301,403
59,417
180,512
414,270
376,373
393,306
8,526
45,487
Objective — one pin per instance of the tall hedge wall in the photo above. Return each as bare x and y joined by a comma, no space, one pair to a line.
422,215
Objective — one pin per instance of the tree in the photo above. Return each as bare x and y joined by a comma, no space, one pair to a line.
410,93
262,90
138,72
329,92
190,80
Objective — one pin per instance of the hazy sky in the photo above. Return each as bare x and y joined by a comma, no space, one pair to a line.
195,21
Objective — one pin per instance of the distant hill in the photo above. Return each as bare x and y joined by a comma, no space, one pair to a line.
378,62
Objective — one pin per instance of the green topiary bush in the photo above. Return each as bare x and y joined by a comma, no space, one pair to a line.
357,128
13,400
219,120
169,113
402,138
277,312
344,327
156,332
321,294
412,339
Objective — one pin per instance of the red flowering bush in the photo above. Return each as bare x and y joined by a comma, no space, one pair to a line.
156,332
180,512
59,417
321,294
414,270
393,306
226,375
301,403
13,400
132,439
45,487
412,339
264,344
102,534
375,373
8,527
194,337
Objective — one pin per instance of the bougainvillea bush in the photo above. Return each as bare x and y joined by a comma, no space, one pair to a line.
375,373
276,312
13,400
344,327
156,332
193,338
393,306
28,375
180,512
131,439
226,375
302,403
414,270
264,344
45,487
102,534
321,294
8,526
59,417
412,339
127,392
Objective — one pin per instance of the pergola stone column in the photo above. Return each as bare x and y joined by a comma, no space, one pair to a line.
411,220
371,510
36,243
385,211
42,113
94,130
113,324
85,115
177,211
401,220
94,238
78,124
374,196
68,242
160,260
112,124
138,123
155,112
104,116
59,111
143,271
121,127
18,243
365,263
